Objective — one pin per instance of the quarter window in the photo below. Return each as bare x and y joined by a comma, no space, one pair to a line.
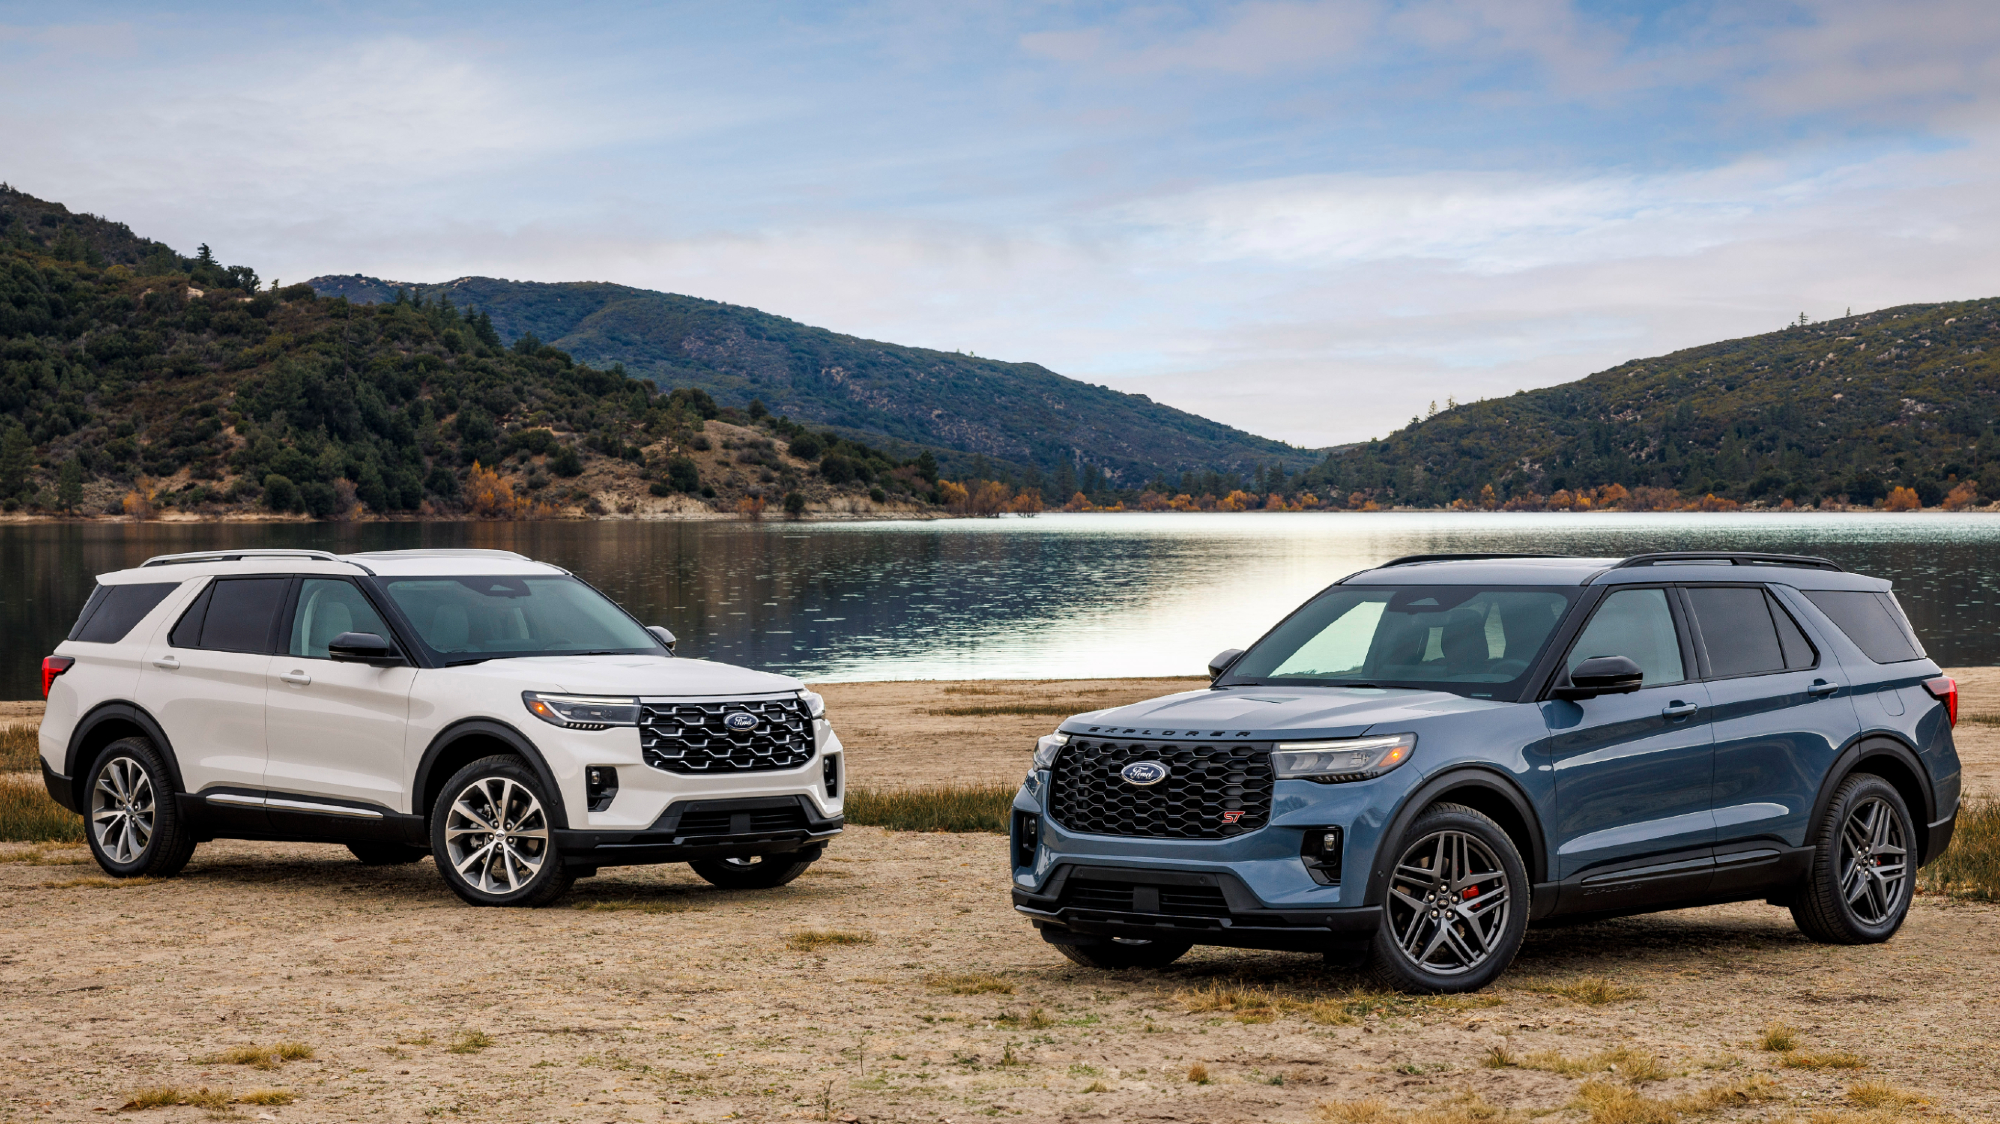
1872,620
113,610
1636,624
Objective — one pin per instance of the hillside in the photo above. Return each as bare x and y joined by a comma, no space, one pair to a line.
1016,414
1906,397
174,385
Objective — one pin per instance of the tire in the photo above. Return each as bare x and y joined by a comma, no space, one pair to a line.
131,819
1118,954
1456,932
387,854
753,872
492,836
1864,870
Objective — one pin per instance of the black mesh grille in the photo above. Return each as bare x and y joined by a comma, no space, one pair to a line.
725,822
692,737
1210,791
1124,897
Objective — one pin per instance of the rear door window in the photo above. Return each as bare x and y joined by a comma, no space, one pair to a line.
1736,630
1872,620
232,615
113,610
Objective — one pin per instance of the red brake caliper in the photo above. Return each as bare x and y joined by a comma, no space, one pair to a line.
1470,893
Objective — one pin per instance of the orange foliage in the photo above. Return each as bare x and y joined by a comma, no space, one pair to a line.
1611,495
953,495
1488,498
1185,502
1964,496
1645,498
1307,501
1357,500
1711,502
1526,501
1026,502
989,497
138,502
751,507
1154,501
1903,499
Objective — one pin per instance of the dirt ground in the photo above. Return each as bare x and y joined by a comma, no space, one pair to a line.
647,995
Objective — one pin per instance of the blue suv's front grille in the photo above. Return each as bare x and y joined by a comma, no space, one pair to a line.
695,737
1209,792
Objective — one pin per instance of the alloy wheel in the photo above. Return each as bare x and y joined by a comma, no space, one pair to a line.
1874,860
497,835
1448,903
122,809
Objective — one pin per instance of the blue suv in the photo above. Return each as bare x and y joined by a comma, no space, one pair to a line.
1433,754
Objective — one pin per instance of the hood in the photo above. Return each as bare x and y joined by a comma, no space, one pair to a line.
632,675
1314,711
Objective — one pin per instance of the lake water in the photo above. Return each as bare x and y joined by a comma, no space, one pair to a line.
1047,597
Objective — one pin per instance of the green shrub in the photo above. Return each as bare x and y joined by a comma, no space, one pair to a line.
27,815
947,807
1970,867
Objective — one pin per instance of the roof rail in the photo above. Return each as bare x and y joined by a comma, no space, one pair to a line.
1730,558
238,555
1413,559
443,552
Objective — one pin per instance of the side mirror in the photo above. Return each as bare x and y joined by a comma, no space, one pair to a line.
1222,662
362,647
1602,675
661,634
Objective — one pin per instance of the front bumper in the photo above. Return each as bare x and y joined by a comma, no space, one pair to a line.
706,829
1080,904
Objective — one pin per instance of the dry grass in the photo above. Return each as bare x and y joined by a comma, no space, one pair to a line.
1780,1038
1620,1104
1805,1059
994,710
167,1096
261,1057
1970,867
20,748
27,815
1467,1108
266,1096
1259,1005
969,983
97,882
1198,1073
470,1042
1634,1066
635,905
812,940
1593,991
1881,1094
68,856
946,807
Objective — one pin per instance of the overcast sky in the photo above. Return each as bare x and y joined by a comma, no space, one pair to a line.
1308,220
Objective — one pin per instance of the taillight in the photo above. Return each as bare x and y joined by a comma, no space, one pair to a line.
53,666
1945,690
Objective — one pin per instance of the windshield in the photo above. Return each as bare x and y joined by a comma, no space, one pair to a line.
464,620
1464,639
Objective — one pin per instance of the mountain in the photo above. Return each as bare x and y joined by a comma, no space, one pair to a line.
907,398
1906,397
134,380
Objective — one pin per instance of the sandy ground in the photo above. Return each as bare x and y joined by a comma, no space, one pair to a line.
647,995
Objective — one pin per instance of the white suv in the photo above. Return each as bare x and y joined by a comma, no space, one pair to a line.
474,705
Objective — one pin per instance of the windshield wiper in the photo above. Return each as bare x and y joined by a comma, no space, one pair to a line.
462,663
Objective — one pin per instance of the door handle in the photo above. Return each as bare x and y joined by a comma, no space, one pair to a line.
166,663
1821,688
1678,709
297,678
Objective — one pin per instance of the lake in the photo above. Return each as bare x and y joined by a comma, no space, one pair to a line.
1053,596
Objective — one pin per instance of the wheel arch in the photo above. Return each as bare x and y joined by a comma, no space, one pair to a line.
1485,790
468,740
106,723
1895,762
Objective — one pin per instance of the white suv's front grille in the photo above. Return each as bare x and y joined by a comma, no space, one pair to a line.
708,737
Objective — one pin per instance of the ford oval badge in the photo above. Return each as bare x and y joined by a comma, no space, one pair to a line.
1143,773
741,721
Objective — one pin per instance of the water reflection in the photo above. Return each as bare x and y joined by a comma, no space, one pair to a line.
1054,596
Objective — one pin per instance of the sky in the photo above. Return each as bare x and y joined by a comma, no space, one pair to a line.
1308,220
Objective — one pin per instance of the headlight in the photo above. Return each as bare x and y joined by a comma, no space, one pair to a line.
581,712
1348,759
815,705
1046,748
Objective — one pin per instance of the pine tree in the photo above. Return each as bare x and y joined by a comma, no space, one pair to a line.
17,456
69,488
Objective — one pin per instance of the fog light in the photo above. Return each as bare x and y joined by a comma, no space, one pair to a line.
831,771
1027,837
600,786
1321,853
